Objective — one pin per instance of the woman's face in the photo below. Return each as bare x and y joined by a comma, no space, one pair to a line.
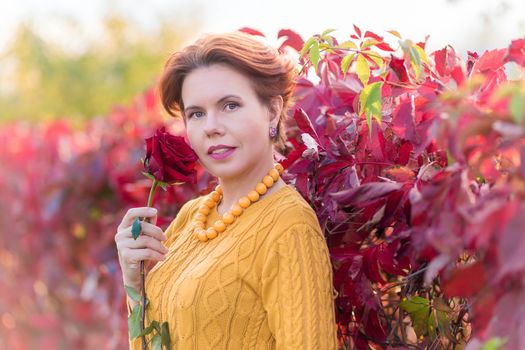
226,124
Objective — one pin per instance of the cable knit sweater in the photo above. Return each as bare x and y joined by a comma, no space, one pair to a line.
264,283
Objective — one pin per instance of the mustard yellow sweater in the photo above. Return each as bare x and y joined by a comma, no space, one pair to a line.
264,283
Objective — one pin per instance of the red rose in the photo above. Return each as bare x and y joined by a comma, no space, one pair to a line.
169,158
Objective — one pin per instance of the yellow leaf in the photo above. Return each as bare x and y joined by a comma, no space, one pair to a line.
345,62
363,70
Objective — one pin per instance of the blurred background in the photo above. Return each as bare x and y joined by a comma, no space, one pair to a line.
77,100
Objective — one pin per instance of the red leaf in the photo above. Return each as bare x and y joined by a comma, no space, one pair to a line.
445,60
384,47
404,152
490,61
516,52
299,148
398,66
364,193
371,266
369,34
403,123
399,173
293,39
458,75
251,31
464,282
305,124
511,245
357,30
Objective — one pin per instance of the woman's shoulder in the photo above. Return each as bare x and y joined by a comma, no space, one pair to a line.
291,209
289,218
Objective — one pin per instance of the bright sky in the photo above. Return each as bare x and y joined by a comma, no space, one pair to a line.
465,24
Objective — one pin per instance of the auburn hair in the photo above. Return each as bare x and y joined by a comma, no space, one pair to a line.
270,73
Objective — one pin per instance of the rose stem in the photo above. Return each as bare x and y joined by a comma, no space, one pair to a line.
142,278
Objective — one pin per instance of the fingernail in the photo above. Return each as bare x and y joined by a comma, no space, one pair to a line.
152,211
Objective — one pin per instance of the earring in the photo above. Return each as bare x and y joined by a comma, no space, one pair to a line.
273,132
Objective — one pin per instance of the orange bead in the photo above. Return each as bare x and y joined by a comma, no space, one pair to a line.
204,210
244,202
253,196
198,224
236,209
228,218
211,233
268,181
261,188
279,168
210,203
215,196
219,226
200,217
274,174
201,235
218,188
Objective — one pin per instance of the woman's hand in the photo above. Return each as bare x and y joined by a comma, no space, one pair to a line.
148,245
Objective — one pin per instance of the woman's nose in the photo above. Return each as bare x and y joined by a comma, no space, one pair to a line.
213,124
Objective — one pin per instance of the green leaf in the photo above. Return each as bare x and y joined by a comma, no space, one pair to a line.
368,43
136,228
163,185
450,158
517,106
148,175
348,45
146,331
376,58
307,45
420,314
422,54
363,70
415,60
134,322
495,343
132,293
326,32
165,335
156,342
314,54
370,101
345,63
156,325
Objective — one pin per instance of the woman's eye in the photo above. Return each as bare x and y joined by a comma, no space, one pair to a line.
232,106
195,114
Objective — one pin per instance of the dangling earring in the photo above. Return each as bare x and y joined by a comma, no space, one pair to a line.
273,132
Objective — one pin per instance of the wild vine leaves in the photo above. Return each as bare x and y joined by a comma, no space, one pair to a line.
419,183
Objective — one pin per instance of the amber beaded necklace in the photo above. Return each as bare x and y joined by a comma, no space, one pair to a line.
199,221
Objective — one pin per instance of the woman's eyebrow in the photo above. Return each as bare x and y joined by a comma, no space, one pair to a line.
218,102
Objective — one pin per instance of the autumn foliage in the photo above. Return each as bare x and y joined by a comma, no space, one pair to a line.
414,162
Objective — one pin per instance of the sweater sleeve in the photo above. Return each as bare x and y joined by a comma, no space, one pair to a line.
297,290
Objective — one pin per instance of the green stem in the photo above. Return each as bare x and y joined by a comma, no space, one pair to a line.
142,277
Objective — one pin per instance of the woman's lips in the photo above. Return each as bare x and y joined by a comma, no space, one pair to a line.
226,154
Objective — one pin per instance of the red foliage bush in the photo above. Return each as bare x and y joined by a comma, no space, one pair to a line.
414,163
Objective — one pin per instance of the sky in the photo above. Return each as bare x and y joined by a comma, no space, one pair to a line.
474,25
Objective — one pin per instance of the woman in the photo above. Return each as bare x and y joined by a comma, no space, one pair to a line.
247,266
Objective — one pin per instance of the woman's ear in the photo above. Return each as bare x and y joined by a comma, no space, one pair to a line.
276,107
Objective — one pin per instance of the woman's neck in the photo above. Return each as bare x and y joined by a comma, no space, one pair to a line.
234,189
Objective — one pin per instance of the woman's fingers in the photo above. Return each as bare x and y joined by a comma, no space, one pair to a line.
141,212
144,242
147,229
133,256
